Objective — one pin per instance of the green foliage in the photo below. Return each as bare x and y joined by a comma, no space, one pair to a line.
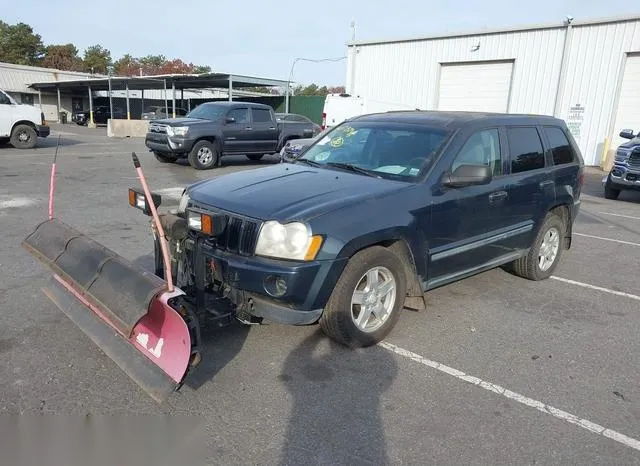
313,89
97,59
20,45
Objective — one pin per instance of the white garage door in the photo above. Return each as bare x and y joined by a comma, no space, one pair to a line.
480,87
628,113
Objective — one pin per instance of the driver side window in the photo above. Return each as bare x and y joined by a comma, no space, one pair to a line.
482,148
240,114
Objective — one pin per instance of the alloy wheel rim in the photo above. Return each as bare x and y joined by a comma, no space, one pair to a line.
205,156
373,299
549,249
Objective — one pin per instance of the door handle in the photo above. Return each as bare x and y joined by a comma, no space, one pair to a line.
497,196
272,127
248,128
546,183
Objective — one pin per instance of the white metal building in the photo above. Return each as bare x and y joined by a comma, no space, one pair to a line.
586,72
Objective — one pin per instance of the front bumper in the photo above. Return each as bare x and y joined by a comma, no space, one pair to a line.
168,145
43,131
623,177
248,283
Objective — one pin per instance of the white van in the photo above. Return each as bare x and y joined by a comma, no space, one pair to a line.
20,125
339,107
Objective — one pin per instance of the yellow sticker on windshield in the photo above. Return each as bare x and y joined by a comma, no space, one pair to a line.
337,141
349,131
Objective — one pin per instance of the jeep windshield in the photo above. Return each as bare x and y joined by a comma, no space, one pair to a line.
207,112
385,149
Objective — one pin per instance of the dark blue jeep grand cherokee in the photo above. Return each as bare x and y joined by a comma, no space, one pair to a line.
374,214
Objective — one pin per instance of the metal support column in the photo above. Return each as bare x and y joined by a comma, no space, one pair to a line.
230,88
142,103
182,98
110,99
173,97
128,108
91,123
166,105
59,105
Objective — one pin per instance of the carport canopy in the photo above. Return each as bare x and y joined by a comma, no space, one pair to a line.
171,82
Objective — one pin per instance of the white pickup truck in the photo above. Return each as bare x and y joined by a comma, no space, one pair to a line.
20,125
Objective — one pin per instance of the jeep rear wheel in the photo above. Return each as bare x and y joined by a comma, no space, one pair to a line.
367,299
204,155
23,137
546,251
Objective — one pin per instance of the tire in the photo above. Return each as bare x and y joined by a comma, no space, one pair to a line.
164,158
255,157
609,192
204,155
552,233
338,321
24,137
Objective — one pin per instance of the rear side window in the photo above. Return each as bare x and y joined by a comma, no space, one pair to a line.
261,115
560,147
525,149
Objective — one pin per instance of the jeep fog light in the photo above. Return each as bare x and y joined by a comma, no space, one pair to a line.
275,286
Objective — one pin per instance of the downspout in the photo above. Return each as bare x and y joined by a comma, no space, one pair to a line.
562,76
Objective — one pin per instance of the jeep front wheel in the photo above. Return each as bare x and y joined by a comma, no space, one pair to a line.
367,299
23,137
610,192
546,251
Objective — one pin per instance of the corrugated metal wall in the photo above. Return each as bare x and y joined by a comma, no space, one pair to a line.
408,72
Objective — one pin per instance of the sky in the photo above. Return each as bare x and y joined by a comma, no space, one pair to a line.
262,38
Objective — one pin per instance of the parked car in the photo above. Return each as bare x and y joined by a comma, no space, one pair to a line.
625,173
216,129
20,125
160,112
374,214
296,118
295,147
101,114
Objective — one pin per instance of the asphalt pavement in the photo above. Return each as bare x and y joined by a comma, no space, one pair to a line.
497,370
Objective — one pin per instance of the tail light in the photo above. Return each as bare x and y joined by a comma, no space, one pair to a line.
324,121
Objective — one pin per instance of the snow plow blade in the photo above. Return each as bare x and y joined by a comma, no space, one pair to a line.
125,311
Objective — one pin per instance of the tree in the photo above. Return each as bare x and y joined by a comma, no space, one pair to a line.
97,59
127,66
313,89
201,69
62,57
19,44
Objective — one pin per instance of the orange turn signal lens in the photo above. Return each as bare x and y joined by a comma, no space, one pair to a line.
206,223
132,198
314,248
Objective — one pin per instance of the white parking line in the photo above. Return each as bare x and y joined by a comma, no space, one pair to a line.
607,239
620,215
540,406
16,202
597,288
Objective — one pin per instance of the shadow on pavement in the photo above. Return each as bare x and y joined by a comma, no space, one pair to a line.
336,415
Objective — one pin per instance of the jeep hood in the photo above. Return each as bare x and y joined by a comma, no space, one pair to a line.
630,144
289,191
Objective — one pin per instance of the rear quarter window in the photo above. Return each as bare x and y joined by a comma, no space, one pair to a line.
559,145
525,149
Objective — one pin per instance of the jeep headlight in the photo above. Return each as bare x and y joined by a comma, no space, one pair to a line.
177,130
289,241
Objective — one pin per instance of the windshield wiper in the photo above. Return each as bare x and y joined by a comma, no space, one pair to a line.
353,168
308,162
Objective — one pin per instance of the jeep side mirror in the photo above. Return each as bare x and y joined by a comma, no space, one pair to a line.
627,134
230,120
468,175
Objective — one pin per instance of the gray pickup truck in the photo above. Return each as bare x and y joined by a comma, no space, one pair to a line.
625,173
216,129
